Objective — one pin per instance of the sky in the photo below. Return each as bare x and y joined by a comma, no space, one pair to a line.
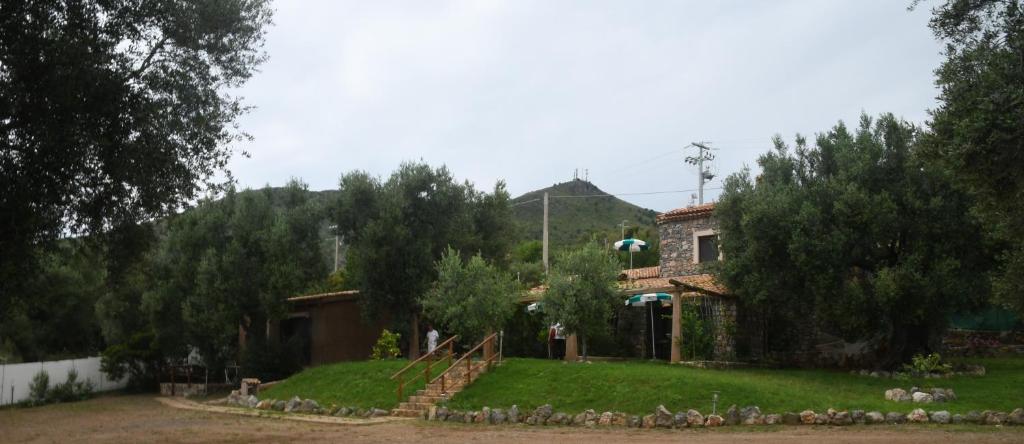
530,91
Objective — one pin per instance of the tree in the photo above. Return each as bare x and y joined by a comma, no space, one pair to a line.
856,236
398,229
581,292
472,298
978,128
113,112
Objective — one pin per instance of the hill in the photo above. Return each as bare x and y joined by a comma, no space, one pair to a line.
573,218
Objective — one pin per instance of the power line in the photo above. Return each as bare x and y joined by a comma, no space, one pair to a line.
644,193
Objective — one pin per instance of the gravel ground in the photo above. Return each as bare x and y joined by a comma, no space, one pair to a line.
143,419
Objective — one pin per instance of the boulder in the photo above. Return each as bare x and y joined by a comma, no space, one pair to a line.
790,418
751,415
974,417
662,417
558,419
376,413
694,418
590,418
531,420
914,389
896,394
497,416
807,417
895,418
279,405
648,422
470,417
579,419
543,412
773,419
442,413
635,421
308,406
994,418
513,414
821,419
252,401
605,419
482,416
917,416
950,394
732,416
265,404
620,419
1016,417
939,396
957,419
922,397
841,419
857,416
714,421
293,404
874,418
456,416
941,417
679,420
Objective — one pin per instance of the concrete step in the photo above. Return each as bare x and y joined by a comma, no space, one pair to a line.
413,406
407,413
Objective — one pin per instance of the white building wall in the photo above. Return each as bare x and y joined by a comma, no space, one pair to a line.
19,376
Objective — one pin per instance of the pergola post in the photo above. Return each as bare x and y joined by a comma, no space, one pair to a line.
677,314
571,355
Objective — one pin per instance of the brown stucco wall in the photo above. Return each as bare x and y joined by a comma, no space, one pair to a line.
338,332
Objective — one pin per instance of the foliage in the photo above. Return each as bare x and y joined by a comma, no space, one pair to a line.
696,342
272,360
923,365
139,358
404,225
855,236
39,387
637,388
386,346
113,112
71,389
471,298
978,128
581,292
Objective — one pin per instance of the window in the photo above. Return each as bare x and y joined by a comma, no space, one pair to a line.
707,248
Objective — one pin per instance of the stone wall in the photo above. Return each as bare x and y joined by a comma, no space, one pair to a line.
677,245
725,328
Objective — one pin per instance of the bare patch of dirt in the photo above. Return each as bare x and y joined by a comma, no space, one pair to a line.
142,418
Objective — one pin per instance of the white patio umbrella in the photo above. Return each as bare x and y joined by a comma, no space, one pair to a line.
639,300
533,307
631,245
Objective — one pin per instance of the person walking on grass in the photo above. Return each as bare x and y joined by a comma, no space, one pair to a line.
431,338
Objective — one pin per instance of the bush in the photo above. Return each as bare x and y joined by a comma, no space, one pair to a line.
696,341
71,389
39,388
386,346
932,363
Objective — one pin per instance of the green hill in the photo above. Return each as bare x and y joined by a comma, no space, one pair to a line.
573,218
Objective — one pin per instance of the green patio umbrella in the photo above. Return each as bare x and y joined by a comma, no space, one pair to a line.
639,300
631,245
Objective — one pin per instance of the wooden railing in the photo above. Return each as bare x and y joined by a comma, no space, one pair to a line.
448,344
468,358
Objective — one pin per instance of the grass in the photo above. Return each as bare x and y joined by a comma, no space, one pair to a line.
363,384
639,387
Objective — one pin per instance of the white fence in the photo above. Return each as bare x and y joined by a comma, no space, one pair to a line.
19,376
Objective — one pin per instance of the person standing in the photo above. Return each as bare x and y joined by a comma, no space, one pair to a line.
431,338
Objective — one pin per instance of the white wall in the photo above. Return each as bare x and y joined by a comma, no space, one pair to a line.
20,376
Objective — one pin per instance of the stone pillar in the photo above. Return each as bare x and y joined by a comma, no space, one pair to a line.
571,355
677,313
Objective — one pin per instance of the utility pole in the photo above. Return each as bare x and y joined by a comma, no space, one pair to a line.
703,153
545,250
336,244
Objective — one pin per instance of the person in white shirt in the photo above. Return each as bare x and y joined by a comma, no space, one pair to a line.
431,338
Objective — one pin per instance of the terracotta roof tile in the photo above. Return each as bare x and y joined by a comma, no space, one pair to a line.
698,283
640,273
687,213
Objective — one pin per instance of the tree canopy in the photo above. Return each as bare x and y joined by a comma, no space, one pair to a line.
855,236
581,292
114,112
470,298
978,128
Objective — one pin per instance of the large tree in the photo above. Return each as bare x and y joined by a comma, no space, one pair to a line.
978,128
112,112
398,229
470,298
581,292
855,236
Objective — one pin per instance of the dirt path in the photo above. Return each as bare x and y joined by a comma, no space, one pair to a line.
142,418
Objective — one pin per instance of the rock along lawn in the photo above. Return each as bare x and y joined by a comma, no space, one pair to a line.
639,387
362,384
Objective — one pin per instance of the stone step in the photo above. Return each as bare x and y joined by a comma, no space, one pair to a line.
407,413
413,406
426,399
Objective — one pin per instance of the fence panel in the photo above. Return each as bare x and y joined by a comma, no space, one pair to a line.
18,377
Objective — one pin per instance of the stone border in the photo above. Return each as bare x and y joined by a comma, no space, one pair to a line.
748,416
184,404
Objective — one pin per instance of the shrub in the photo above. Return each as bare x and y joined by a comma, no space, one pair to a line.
71,389
921,364
695,342
39,388
386,346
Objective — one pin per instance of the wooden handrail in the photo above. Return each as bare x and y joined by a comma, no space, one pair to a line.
465,356
425,356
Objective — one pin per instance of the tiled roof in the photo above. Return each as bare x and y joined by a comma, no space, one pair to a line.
687,213
699,283
640,273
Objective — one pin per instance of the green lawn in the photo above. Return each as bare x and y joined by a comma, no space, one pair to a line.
362,384
638,387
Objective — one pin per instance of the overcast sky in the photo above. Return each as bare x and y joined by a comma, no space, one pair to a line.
530,91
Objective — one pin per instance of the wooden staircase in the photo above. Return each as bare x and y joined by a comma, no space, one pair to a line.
420,402
452,380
